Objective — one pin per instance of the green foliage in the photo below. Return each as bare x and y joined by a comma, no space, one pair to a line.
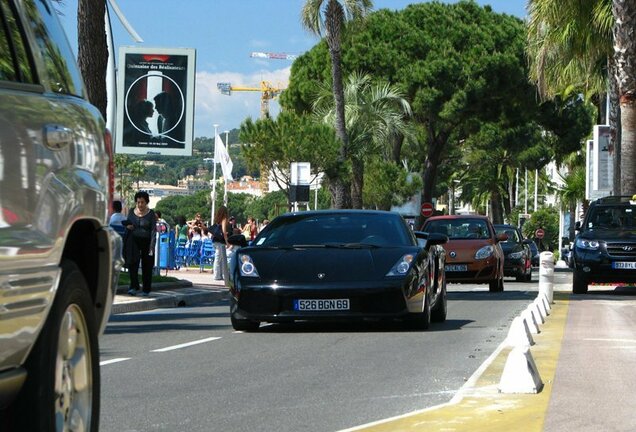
275,144
389,185
185,205
548,219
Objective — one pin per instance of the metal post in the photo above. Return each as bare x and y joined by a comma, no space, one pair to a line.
227,147
214,176
525,194
517,190
536,188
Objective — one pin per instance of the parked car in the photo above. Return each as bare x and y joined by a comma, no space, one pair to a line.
517,254
60,260
536,255
605,245
337,265
473,252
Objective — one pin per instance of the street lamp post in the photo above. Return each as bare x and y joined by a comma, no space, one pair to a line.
216,126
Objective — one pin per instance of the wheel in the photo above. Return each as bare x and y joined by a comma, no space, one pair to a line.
422,320
244,324
61,392
438,311
529,277
579,282
496,285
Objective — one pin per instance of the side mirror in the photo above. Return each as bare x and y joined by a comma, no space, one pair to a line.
431,238
577,226
527,241
502,237
237,240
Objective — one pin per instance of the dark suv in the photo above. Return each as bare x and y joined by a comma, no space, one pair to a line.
605,246
59,261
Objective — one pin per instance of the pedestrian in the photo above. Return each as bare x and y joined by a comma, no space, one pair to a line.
117,216
140,243
219,235
181,231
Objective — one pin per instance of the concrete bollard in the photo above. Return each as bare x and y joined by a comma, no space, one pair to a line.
520,374
545,301
538,316
530,320
519,334
539,304
546,275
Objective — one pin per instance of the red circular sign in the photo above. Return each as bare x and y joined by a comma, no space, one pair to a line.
539,233
427,209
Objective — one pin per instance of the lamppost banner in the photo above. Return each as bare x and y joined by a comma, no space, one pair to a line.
155,109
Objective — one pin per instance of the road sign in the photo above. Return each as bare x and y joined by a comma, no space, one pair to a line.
539,233
427,209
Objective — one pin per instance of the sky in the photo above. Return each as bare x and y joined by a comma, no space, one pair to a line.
224,33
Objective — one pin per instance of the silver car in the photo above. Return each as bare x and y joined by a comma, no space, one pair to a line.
59,261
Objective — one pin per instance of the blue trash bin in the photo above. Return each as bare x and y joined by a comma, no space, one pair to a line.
164,251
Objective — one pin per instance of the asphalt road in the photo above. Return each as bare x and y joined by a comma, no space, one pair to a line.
186,369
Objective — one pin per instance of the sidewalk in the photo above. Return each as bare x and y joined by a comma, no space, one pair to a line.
193,288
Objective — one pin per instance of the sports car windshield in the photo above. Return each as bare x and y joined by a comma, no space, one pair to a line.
345,230
613,217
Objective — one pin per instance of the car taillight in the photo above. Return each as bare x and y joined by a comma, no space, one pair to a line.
108,144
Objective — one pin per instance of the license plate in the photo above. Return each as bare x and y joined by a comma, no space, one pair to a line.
456,267
624,265
321,304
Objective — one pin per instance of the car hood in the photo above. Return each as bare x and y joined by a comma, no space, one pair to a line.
334,264
465,249
609,235
510,247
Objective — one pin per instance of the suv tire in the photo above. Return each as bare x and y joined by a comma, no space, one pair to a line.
63,380
579,282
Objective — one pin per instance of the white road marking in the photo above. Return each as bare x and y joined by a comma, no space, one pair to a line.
610,340
115,360
184,345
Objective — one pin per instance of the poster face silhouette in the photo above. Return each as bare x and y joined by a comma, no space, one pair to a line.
155,104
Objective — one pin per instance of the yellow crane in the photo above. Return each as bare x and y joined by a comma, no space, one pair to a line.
267,90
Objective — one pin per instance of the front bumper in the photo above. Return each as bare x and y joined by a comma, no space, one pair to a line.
597,266
275,303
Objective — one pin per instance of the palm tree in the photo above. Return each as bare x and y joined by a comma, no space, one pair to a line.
374,115
328,17
584,46
624,12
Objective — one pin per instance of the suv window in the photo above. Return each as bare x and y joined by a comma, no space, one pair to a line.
63,75
15,64
612,217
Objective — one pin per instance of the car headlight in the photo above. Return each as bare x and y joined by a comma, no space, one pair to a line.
587,244
484,252
515,255
402,267
247,267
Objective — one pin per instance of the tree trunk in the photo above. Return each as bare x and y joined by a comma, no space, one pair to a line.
397,148
357,183
496,211
571,230
615,127
624,12
92,50
334,17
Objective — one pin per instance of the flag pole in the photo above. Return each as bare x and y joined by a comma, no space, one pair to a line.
214,178
227,147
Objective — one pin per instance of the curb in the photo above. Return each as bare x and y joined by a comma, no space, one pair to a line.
181,283
170,299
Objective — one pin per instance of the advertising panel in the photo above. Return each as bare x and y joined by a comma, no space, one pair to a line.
156,101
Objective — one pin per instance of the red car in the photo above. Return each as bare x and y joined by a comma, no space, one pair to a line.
473,253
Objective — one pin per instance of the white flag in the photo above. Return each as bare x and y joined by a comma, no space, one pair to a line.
223,157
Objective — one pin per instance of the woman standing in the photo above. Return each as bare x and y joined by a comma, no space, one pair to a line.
141,243
220,243
181,231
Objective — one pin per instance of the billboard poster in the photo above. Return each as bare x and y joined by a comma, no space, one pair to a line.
155,112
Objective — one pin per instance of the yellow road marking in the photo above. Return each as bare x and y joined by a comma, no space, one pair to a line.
482,407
